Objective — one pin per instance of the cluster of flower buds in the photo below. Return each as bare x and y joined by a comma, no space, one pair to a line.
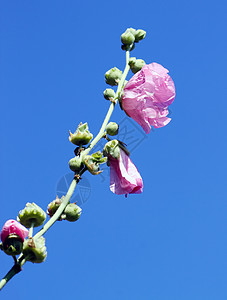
71,213
14,232
145,98
130,37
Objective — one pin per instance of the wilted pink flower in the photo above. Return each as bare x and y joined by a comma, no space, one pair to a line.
124,176
13,227
147,96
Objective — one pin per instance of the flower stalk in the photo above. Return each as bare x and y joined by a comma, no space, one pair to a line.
21,260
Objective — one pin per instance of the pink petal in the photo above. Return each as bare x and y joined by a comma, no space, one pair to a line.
124,176
147,96
13,227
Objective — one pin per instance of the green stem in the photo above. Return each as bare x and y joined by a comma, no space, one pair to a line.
12,272
30,233
21,260
111,108
61,208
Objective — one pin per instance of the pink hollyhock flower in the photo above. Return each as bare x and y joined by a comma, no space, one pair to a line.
124,176
147,95
13,227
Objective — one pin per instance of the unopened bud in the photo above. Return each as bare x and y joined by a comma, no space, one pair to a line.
112,128
112,148
136,65
72,212
113,76
81,136
53,206
127,38
75,164
108,94
132,30
31,215
139,35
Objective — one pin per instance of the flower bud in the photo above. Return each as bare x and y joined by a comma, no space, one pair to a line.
108,94
113,76
32,214
35,250
132,30
76,164
139,35
81,136
72,212
136,65
112,148
12,237
53,206
93,161
127,38
112,128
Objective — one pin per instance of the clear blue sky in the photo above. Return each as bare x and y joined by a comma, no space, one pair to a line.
169,243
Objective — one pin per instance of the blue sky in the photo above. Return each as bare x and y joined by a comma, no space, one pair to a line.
168,243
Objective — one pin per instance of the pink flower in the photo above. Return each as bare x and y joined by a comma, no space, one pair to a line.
147,96
13,227
124,176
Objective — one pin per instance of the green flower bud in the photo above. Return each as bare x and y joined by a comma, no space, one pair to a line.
108,94
72,212
112,128
132,30
127,38
139,35
112,148
32,214
53,206
13,245
35,249
81,136
113,76
75,164
136,65
93,161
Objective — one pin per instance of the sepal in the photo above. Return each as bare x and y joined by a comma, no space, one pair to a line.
32,214
35,250
93,161
82,136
